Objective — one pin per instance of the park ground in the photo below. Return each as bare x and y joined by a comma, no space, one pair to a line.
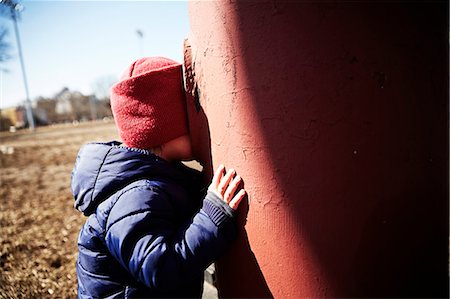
38,224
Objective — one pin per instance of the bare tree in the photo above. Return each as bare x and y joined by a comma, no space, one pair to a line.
4,45
101,87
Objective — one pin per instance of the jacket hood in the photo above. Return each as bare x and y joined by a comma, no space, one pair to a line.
101,169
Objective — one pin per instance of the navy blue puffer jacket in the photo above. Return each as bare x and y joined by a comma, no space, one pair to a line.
149,233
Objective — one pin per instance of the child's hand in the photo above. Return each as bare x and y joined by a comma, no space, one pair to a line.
226,185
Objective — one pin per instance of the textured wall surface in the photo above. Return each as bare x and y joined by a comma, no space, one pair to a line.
336,116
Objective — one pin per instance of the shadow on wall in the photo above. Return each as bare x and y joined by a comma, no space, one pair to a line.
244,264
198,122
240,254
362,162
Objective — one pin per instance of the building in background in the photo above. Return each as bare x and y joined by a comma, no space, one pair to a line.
65,106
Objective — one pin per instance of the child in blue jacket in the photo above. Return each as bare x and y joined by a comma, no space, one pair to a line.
151,232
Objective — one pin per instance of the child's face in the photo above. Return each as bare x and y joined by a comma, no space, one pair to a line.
179,148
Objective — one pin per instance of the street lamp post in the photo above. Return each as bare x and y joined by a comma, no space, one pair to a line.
15,8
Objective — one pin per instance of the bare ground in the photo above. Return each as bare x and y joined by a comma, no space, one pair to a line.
38,224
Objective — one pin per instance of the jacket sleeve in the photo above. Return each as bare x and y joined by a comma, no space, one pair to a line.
143,235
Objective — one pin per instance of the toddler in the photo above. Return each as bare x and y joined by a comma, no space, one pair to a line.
151,231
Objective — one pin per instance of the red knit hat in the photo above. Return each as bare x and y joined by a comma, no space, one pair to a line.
148,103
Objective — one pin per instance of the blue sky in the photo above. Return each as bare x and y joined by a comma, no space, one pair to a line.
77,43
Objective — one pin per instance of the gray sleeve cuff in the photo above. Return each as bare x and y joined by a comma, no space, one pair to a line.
217,209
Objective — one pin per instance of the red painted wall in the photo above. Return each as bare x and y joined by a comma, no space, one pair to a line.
336,116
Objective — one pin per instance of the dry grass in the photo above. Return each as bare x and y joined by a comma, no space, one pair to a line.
38,224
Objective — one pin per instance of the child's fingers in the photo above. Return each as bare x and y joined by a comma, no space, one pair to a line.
232,187
225,181
234,203
218,176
